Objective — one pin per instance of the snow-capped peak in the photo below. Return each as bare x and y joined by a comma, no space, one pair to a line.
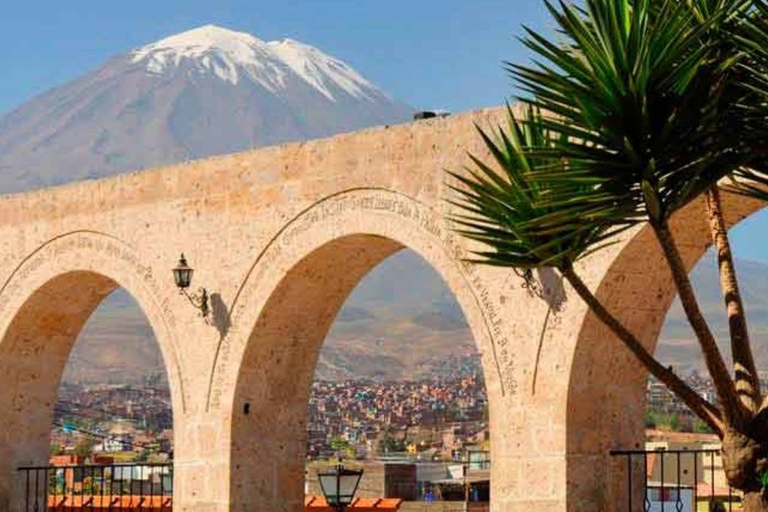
316,67
232,55
197,41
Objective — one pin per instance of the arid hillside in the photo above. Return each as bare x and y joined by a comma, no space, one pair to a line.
402,322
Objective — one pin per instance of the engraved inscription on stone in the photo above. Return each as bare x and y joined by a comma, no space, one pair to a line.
375,203
79,242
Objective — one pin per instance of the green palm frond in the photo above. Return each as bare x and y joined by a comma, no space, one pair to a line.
749,183
642,101
509,211
640,107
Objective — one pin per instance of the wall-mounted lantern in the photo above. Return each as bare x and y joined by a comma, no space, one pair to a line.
182,274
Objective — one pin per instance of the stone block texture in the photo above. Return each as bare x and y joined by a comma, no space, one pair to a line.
279,237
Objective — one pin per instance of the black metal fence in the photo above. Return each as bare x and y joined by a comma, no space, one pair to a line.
674,481
115,487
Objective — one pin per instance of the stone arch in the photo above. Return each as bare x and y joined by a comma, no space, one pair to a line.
43,306
606,394
281,315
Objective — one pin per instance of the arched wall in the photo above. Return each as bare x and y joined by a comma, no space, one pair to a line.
290,300
278,367
561,394
606,394
43,306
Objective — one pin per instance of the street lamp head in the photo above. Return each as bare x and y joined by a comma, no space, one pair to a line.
339,486
182,274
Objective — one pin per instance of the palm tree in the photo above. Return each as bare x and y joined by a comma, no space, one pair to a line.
641,107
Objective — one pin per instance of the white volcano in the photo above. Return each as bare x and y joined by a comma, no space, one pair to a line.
203,92
235,56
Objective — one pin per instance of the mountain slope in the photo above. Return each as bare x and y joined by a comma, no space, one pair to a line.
425,321
402,322
677,346
203,92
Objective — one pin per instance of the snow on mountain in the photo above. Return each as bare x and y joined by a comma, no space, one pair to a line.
199,93
221,51
229,54
316,67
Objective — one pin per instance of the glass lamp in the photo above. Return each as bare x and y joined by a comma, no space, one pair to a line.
182,274
339,486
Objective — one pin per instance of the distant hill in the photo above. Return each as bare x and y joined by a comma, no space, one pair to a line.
677,346
393,325
116,345
392,329
401,322
411,327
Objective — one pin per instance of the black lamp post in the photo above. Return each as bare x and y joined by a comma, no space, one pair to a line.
339,486
182,274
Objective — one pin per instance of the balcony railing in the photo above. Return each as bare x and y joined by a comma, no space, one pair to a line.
675,481
113,487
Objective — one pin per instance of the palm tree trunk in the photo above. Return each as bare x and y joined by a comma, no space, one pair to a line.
755,501
703,409
744,462
763,409
726,390
747,381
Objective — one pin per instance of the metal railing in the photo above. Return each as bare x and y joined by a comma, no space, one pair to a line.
675,481
87,488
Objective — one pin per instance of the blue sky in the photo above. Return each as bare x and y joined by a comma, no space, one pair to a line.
427,53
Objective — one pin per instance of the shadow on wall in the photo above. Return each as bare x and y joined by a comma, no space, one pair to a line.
220,315
548,287
551,288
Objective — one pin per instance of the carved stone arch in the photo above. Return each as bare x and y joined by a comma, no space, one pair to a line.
43,305
606,386
281,314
